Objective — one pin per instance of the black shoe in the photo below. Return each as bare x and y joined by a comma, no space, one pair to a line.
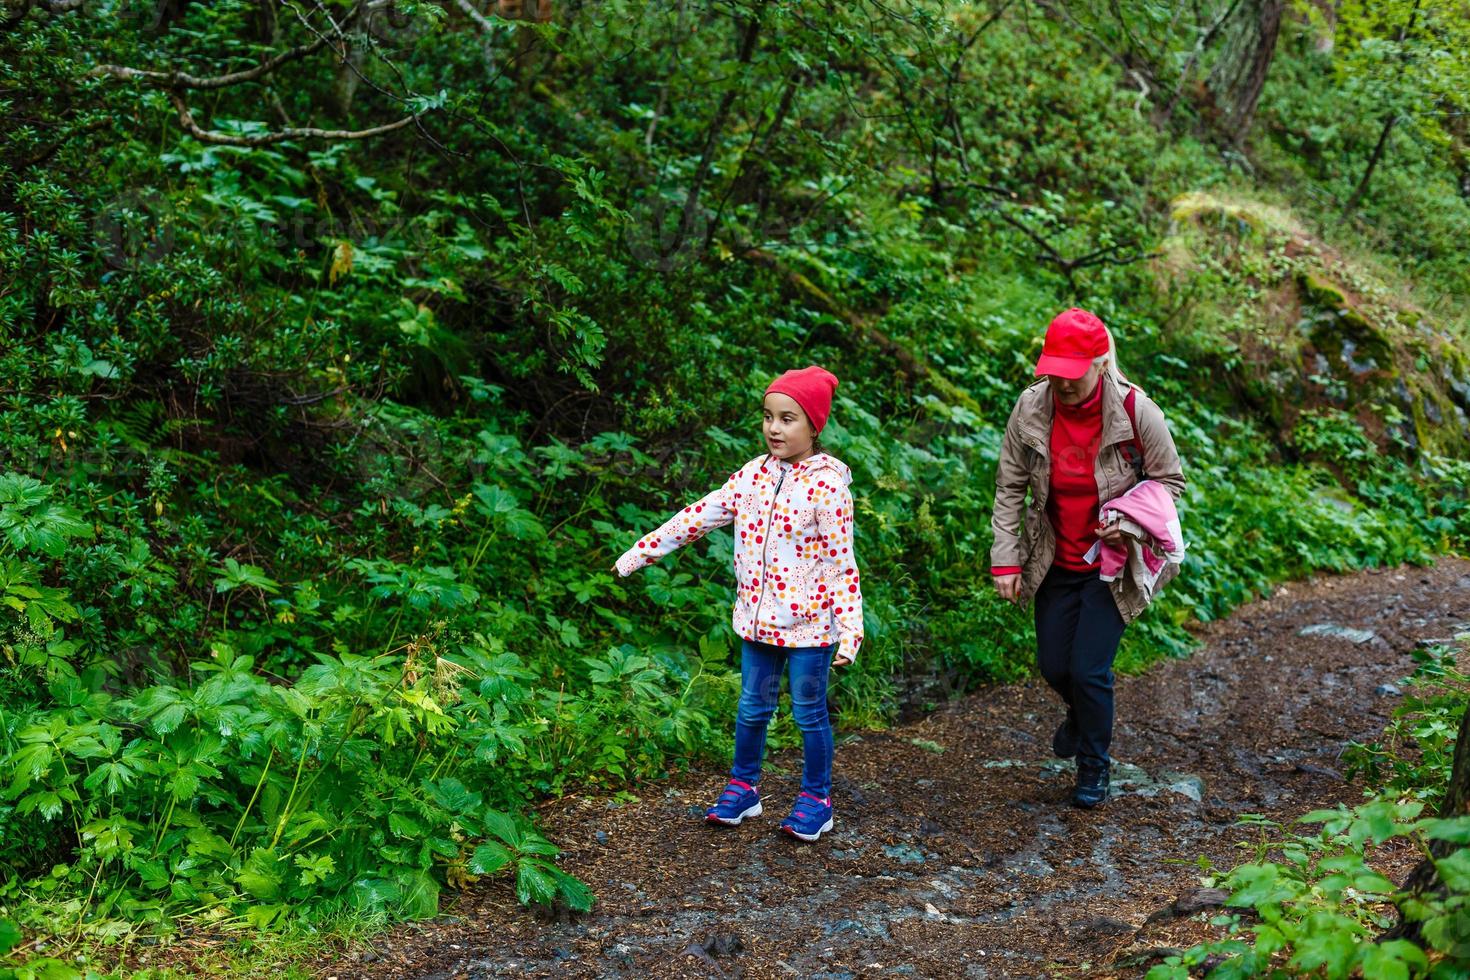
1064,742
1092,784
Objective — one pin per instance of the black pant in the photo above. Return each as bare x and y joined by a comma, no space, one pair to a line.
1078,627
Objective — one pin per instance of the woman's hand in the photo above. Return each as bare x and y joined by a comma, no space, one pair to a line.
1009,586
841,660
1110,535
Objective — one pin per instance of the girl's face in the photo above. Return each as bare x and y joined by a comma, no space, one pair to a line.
1075,392
788,431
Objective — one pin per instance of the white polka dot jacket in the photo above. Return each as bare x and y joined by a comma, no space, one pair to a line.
796,572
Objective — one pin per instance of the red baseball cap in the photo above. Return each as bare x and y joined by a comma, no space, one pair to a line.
1073,340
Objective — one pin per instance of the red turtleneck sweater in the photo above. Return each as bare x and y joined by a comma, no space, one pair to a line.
1072,505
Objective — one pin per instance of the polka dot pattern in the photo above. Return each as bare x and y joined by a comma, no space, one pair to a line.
796,575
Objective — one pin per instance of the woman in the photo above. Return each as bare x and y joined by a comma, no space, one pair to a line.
1075,439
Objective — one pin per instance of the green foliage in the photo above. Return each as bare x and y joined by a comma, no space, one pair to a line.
1406,59
255,797
1413,758
317,452
1320,907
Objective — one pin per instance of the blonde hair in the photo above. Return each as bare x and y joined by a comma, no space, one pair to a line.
1114,373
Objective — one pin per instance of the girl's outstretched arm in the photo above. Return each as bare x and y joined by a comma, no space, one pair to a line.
839,569
690,524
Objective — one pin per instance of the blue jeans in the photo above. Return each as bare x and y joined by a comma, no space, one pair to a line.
760,684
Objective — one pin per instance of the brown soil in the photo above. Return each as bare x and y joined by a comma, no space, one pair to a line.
969,862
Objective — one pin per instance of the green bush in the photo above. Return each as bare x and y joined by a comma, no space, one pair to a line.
316,453
1319,904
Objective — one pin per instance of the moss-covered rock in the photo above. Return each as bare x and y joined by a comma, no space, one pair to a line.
1299,327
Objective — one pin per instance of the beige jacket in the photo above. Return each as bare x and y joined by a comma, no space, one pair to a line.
1023,534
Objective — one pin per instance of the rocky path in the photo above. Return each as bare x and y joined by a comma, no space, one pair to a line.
955,853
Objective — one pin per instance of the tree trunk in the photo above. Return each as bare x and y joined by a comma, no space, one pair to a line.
749,182
1352,205
1239,77
267,27
1388,123
351,51
749,31
1457,796
1186,74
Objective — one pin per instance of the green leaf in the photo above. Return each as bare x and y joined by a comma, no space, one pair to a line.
1446,933
489,858
454,796
371,894
404,826
1269,939
1381,819
1455,830
1454,870
578,896
1241,967
263,875
264,916
99,368
9,936
534,843
116,775
502,825
314,869
1374,884
1329,944
494,501
535,884
1257,885
1167,971
44,802
169,719
183,785
234,575
1397,959
418,895
31,523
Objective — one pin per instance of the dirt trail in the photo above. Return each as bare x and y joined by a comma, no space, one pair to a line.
968,862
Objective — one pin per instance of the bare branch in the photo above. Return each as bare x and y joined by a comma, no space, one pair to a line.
179,79
717,125
1068,266
951,116
340,38
1143,92
1200,47
481,21
186,120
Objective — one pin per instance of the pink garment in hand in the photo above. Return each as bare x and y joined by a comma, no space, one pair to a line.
1149,521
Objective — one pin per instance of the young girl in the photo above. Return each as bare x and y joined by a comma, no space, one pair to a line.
797,604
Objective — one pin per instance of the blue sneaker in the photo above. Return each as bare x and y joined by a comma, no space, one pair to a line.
811,817
738,801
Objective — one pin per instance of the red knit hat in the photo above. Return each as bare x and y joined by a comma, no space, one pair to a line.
812,387
1073,340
